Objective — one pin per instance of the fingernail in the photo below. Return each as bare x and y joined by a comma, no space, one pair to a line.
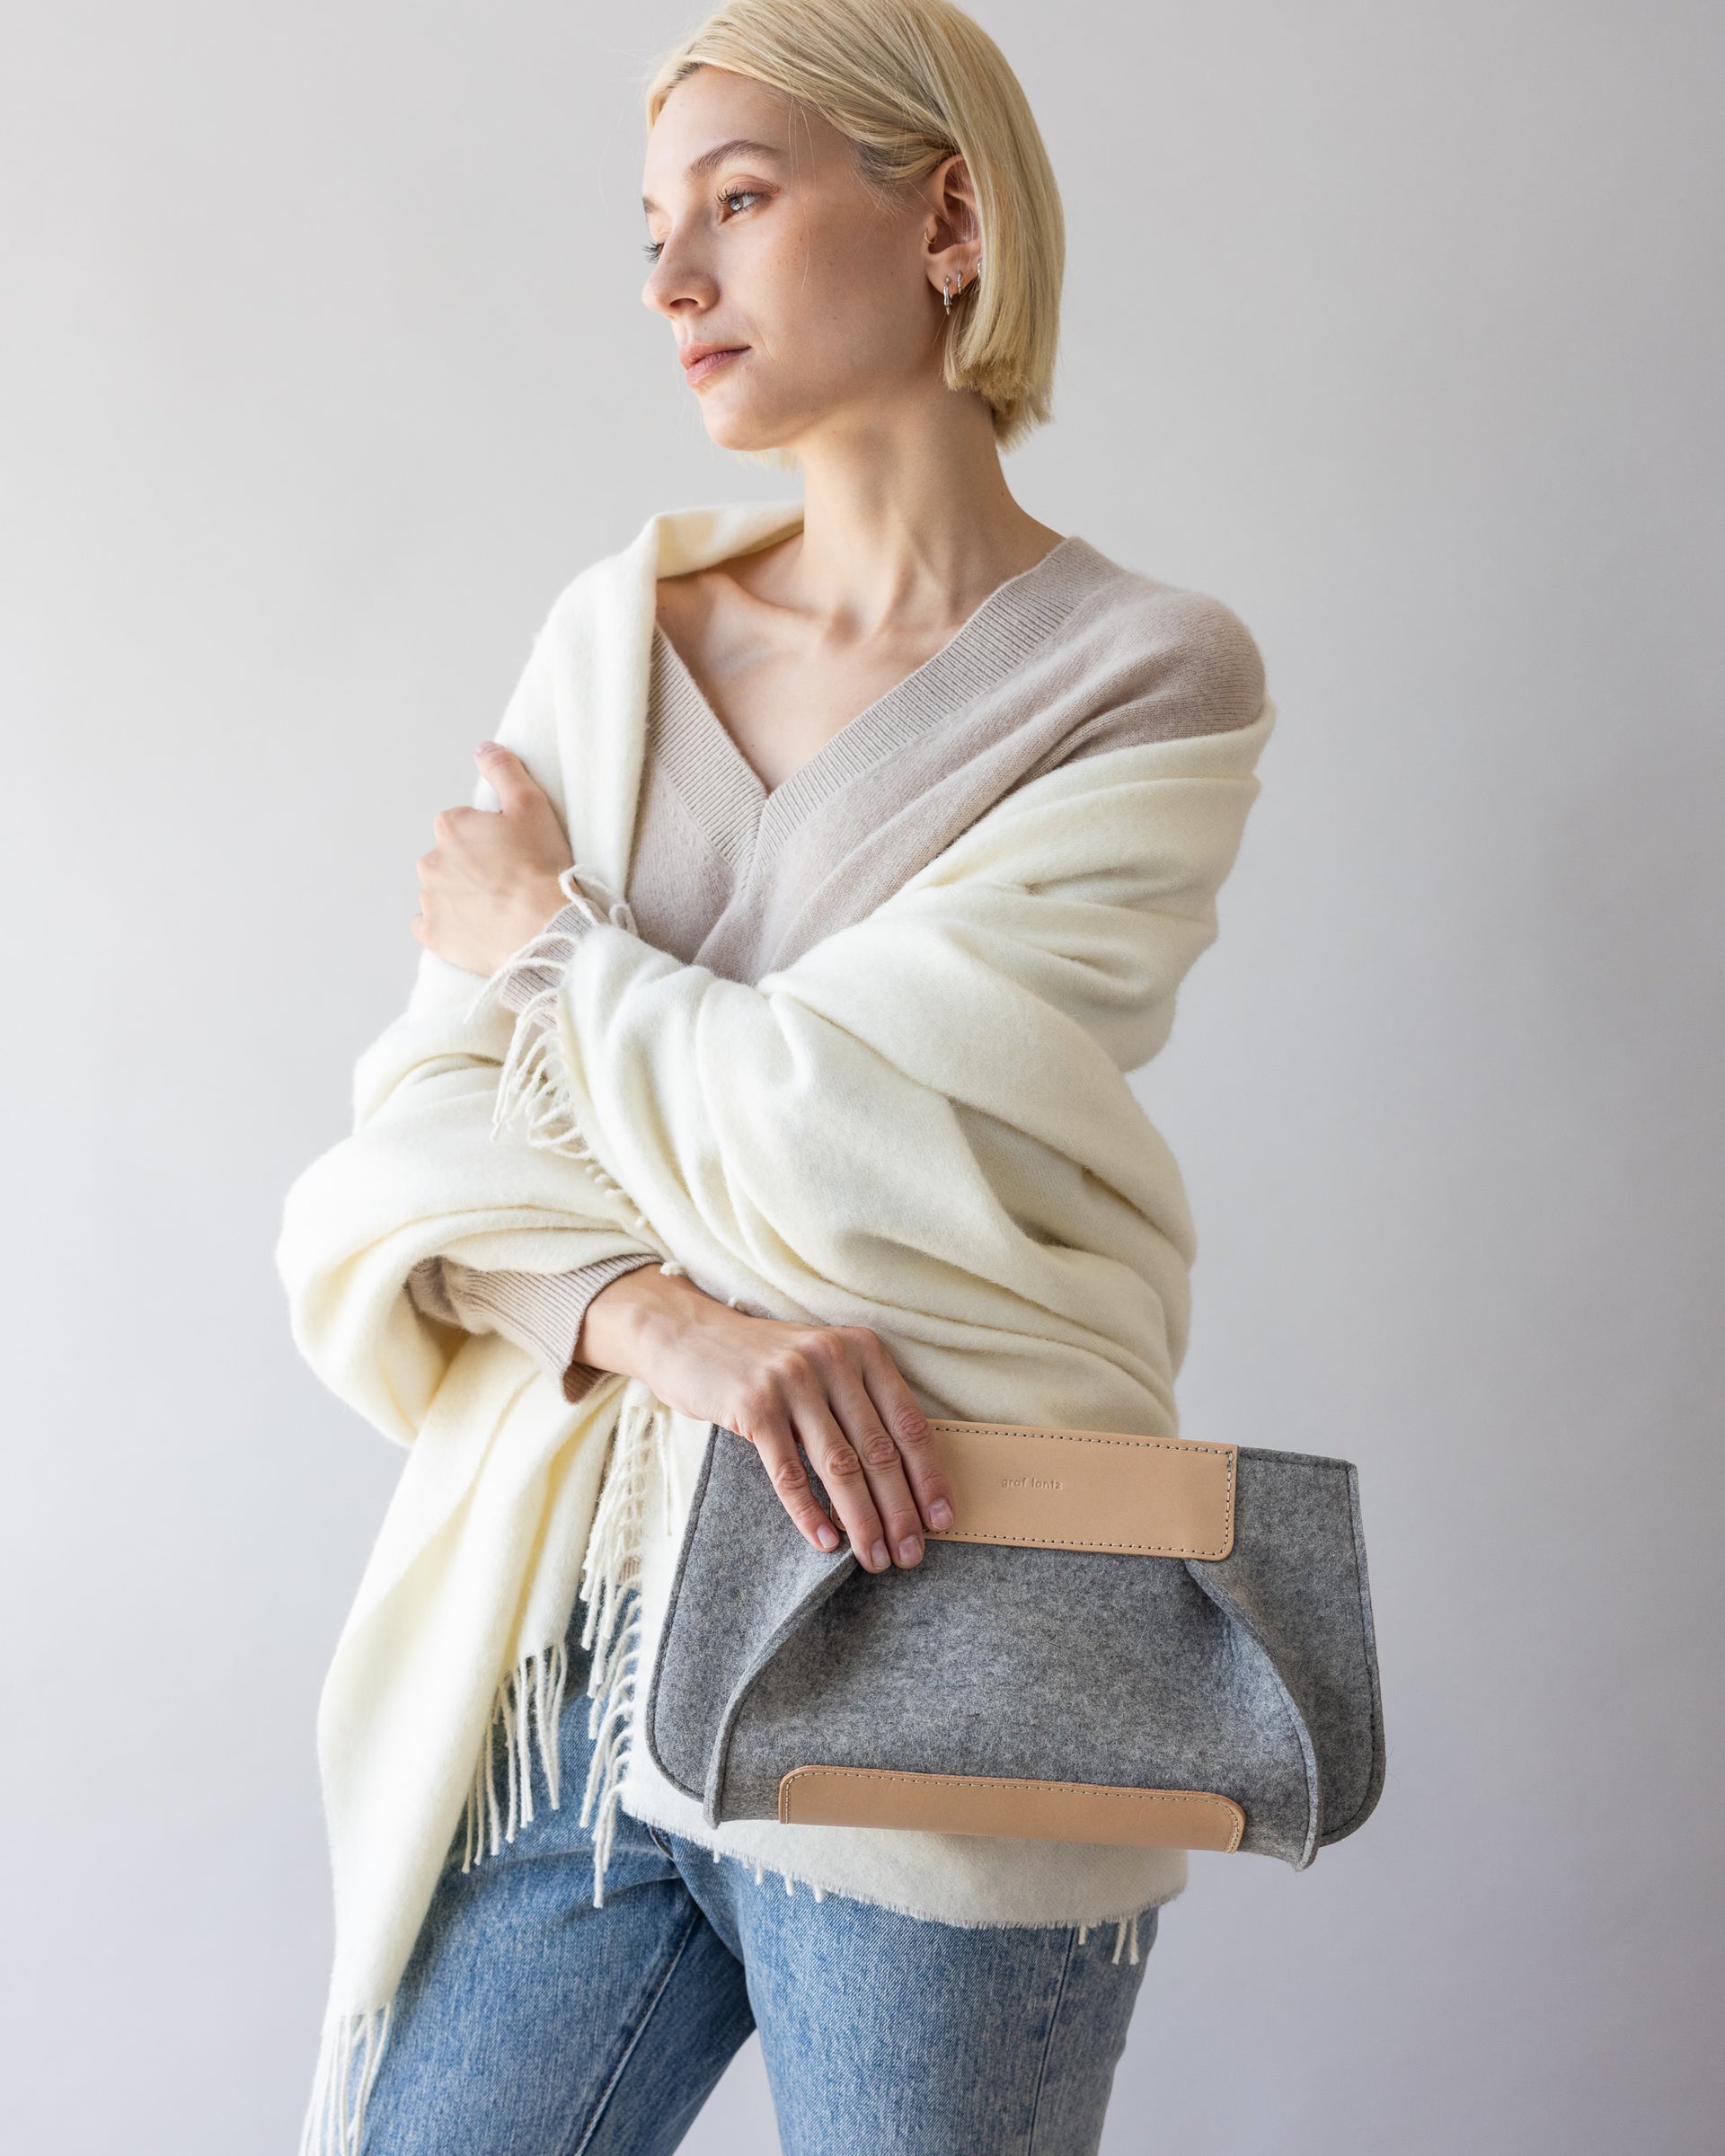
826,1536
940,1514
909,1550
485,749
878,1558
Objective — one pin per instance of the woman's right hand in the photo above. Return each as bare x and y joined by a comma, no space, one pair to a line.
778,1382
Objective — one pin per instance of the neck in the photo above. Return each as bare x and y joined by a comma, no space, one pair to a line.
908,518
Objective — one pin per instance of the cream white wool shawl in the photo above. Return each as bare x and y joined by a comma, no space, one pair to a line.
922,1124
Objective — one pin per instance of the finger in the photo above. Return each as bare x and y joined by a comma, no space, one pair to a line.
887,1484
840,1467
514,785
784,1471
896,1405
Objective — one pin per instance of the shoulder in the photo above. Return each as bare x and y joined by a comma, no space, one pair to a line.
688,563
1182,659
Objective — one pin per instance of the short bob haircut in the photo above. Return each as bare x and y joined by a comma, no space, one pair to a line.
911,81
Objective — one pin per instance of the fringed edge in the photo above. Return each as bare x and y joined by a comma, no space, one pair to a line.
533,1096
348,2054
610,1577
600,899
533,1089
530,1698
759,1867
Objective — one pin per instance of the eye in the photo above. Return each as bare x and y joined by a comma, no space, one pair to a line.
653,250
740,194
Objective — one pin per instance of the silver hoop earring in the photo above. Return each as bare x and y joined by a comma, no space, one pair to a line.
946,294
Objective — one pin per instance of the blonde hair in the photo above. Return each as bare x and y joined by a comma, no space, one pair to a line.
910,82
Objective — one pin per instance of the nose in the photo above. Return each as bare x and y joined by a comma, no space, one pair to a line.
676,283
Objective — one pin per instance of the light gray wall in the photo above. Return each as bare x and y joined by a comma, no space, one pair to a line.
1399,329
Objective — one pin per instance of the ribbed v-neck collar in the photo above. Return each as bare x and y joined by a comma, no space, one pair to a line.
745,819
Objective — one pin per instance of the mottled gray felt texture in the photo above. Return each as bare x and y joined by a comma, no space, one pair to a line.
1254,1676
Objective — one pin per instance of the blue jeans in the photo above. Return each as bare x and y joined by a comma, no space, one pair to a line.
530,2023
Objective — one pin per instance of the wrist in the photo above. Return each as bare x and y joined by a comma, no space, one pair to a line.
636,1318
540,905
532,910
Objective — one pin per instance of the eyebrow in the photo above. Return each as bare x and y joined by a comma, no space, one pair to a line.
709,159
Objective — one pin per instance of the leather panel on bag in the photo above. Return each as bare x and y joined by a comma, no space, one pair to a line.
1043,1487
986,1804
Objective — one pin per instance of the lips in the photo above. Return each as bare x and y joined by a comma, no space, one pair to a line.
700,359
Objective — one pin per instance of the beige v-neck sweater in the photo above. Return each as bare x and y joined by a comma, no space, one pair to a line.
1074,656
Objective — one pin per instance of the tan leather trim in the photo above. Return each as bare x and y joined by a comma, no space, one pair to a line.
1040,1486
987,1804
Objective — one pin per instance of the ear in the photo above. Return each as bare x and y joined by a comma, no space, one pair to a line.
952,228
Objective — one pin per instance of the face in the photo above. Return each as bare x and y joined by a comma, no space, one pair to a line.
817,301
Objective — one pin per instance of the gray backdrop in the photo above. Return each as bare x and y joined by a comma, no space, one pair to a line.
1398,329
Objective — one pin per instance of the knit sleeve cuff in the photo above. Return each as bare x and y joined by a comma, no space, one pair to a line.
540,1312
538,965
429,1294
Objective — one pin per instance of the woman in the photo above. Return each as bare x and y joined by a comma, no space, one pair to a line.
713,1215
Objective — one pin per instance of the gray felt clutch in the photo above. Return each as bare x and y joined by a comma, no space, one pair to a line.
1123,1639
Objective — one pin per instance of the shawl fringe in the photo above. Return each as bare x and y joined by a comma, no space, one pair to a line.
348,2053
531,1696
533,1090
533,1095
610,1579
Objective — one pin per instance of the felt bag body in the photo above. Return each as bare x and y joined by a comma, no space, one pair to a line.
1121,1639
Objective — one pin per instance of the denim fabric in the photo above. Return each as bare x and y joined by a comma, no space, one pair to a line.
531,2023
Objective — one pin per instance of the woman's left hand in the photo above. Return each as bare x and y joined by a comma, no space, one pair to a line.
488,884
